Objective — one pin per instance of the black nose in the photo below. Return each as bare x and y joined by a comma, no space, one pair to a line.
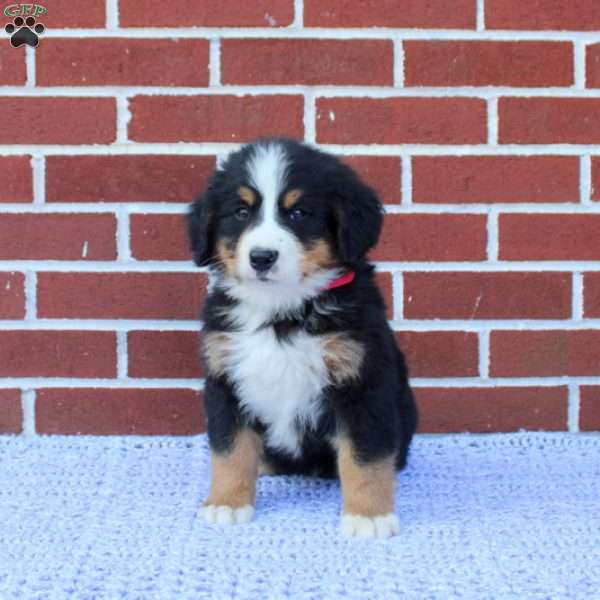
263,260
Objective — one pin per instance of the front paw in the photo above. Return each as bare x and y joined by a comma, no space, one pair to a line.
226,515
383,526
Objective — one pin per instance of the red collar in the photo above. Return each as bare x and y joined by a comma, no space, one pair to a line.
345,279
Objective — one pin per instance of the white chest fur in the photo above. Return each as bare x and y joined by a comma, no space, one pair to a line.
280,382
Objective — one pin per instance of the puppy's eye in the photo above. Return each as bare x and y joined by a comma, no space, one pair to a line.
297,214
242,213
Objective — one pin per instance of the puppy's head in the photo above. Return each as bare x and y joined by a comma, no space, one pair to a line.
279,213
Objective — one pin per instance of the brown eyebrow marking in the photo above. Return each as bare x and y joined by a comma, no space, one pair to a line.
291,198
247,195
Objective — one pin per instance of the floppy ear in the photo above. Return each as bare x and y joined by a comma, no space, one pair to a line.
200,229
359,216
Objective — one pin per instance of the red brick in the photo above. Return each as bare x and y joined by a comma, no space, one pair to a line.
102,411
591,295
432,238
167,354
307,62
382,173
385,285
544,353
12,296
401,121
595,178
549,237
74,13
159,237
11,414
549,120
121,295
482,410
119,61
471,295
58,354
16,177
440,353
474,63
126,178
58,120
12,65
208,13
214,118
583,15
592,66
58,237
589,409
433,14
474,179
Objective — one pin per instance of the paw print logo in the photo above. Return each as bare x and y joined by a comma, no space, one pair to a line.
24,31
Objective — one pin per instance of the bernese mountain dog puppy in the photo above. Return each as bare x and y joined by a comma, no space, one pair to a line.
303,375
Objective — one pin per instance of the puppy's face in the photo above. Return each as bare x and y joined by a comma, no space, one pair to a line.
272,227
279,214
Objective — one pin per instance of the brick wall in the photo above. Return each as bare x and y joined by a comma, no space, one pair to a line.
478,121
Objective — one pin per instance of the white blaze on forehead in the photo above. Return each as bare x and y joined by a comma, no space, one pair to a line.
267,170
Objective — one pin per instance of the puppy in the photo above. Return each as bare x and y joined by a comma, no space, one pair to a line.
303,375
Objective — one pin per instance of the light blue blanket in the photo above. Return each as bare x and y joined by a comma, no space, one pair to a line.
497,516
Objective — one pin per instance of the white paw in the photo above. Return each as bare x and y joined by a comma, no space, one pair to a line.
226,515
383,526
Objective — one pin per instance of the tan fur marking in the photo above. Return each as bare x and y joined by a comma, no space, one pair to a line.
247,195
343,356
317,257
234,473
291,198
367,489
227,256
215,350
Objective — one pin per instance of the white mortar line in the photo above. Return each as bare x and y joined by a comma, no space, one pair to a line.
577,296
123,118
324,91
28,408
573,408
214,148
214,62
186,266
310,117
492,121
406,184
579,64
298,22
112,15
193,383
480,15
484,354
122,353
174,208
493,244
30,297
416,325
586,180
38,167
67,382
123,235
30,67
398,296
296,30
398,63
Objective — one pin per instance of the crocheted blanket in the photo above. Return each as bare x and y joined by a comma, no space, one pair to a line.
495,516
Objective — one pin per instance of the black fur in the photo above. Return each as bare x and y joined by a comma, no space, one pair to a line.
377,411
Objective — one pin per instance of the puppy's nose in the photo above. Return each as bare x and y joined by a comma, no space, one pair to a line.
262,259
